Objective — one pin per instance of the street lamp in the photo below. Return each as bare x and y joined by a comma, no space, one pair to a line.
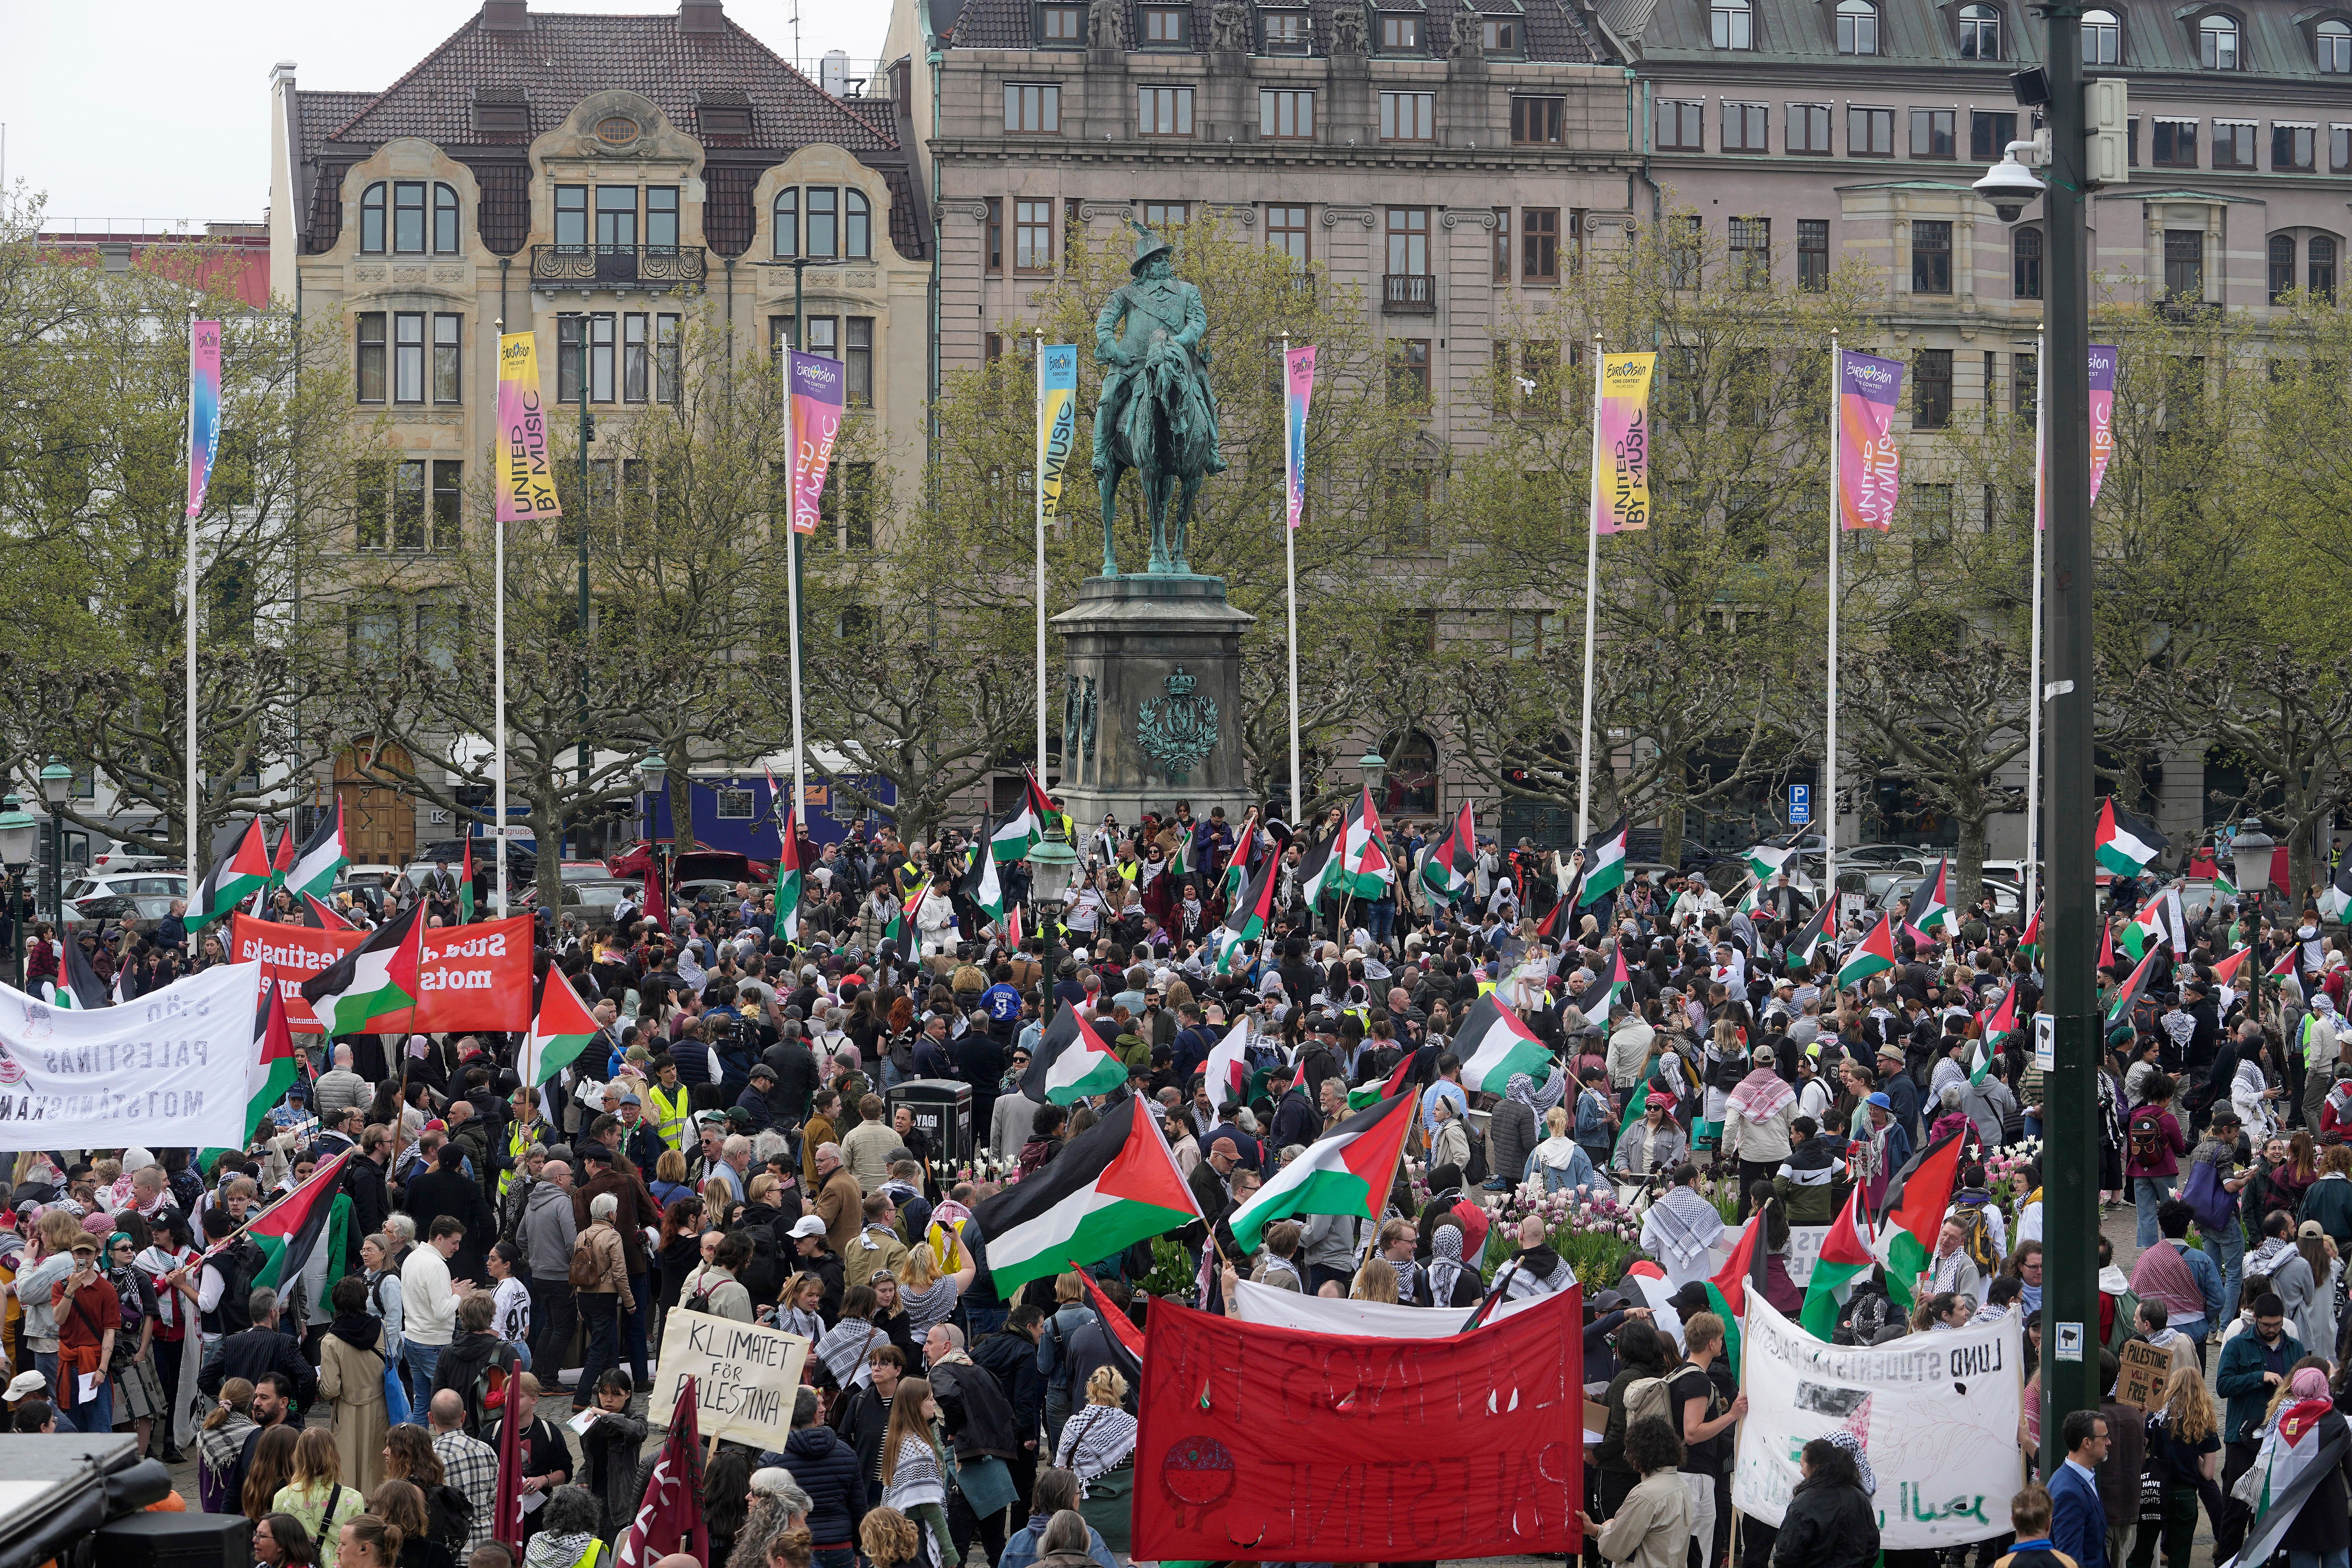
18,835
1052,866
56,780
1375,768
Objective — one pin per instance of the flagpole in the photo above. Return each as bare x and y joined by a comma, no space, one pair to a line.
1290,577
499,640
1829,761
1591,592
195,815
2033,681
1037,364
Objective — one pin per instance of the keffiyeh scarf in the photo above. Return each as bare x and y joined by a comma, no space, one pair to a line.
1687,1224
1444,1264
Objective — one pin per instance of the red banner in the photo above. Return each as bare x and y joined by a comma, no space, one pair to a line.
1265,1443
475,976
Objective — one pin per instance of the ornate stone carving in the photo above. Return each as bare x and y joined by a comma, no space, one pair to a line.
1240,215
1089,211
976,211
1176,731
1347,29
1229,26
1455,217
1102,24
1332,217
1469,37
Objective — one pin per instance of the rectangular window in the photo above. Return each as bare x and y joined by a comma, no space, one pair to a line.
633,358
666,387
824,221
2131,142
1166,214
447,356
408,505
1400,33
1034,107
1990,133
1033,237
1163,111
1540,245
994,236
1285,32
369,486
409,356
1060,25
1408,235
2025,384
1685,243
1809,127
408,219
599,357
2184,263
370,356
1286,114
1869,132
848,504
661,218
1932,134
616,217
1408,371
824,337
1285,230
375,636
1813,252
1931,256
440,634
1536,121
1499,34
2233,144
2025,262
1931,389
448,491
1408,116
1745,128
1682,125
788,221
2174,145
1751,252
1502,244
2292,147
572,217
1167,26
567,341
857,358
2339,149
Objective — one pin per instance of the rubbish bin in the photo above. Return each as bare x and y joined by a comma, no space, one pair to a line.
942,1112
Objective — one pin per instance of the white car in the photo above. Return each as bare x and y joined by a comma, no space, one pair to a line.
152,890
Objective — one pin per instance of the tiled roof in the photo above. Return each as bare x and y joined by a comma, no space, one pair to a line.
321,113
1554,32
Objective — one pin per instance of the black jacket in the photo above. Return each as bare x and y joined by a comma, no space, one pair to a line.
610,1448
1827,1527
829,1470
974,1413
363,1179
1011,1360
463,1362
437,1193
796,1079
864,1419
250,1353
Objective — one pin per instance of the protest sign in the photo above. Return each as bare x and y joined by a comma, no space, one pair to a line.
167,1069
472,977
1936,1415
2145,1369
1804,1251
744,1376
1262,1442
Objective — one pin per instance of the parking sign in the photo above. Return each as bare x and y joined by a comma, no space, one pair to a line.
1800,805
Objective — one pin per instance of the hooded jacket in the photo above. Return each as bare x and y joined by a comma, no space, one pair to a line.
827,1469
1540,1271
463,1362
977,1417
548,1231
1807,1183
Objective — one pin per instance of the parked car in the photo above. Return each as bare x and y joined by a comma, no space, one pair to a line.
151,892
593,899
1649,844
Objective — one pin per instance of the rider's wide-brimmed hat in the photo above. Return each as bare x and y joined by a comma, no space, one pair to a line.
1147,245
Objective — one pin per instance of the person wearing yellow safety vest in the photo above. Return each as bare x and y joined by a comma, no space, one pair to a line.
667,1103
525,1132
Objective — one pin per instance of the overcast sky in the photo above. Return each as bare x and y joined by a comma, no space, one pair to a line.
154,109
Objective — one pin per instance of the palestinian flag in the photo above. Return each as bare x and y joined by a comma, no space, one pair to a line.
2226,971
1767,860
1348,1171
1011,939
231,881
1125,1341
2107,947
1595,1004
1814,936
559,1030
2294,1459
1931,902
2284,971
1025,828
1493,1045
1553,927
1605,865
1873,954
290,1229
1446,872
2159,920
322,860
2030,941
321,916
83,989
1752,899
1365,868
1112,1185
1914,1215
1180,864
1418,1069
2337,897
980,884
2125,844
1070,1063
274,1066
1227,1070
373,981
1998,1027
1845,1255
1318,875
2225,888
281,865
788,877
1248,918
1727,1293
901,929
466,885
2127,998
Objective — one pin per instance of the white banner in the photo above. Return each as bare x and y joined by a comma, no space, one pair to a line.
1937,1414
167,1069
745,1376
1255,1303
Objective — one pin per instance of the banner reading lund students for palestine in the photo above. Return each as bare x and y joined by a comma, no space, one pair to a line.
472,977
164,1070
1936,1415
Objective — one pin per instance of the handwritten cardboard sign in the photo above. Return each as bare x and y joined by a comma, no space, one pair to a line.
745,1376
2146,1370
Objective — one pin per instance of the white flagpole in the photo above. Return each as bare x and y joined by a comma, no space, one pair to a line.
499,620
1829,761
1038,365
1591,592
1290,599
196,813
792,597
2033,684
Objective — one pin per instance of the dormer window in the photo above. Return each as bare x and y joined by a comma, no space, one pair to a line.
409,218
1286,31
2103,38
2334,41
1979,33
1499,34
1857,28
2217,43
1400,35
1732,25
1167,26
1061,26
723,114
501,108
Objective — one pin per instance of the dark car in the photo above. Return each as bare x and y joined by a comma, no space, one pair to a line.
1649,844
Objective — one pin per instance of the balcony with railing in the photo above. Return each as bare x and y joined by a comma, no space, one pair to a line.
1409,294
618,265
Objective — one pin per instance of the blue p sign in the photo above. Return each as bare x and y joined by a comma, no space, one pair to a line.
1800,805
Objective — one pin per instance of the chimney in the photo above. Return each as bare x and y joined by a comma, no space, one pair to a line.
506,16
701,16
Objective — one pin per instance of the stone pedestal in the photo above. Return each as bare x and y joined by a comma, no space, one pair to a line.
1152,700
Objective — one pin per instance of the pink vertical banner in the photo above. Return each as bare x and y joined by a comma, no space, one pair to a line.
1299,375
1620,470
2103,412
204,408
1870,469
814,385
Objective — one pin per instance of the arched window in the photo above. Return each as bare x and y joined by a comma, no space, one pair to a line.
2282,265
1410,785
2320,257
788,221
2025,262
2217,43
2103,38
1979,33
1733,25
857,225
1857,28
444,221
2335,41
371,219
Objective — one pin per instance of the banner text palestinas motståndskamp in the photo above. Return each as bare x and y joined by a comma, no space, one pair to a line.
1621,479
165,1071
526,479
472,977
1057,421
1870,469
815,387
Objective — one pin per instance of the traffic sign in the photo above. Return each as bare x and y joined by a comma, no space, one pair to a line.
1800,805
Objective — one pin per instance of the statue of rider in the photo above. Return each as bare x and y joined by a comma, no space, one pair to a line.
1156,301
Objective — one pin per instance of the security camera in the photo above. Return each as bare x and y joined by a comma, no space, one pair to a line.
2009,185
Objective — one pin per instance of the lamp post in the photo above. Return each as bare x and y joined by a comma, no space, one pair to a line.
655,773
56,780
18,833
1375,769
1052,864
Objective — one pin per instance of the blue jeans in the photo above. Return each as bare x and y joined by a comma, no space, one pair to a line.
97,1417
2340,1558
2227,1248
2146,1193
1380,920
2032,1126
980,1321
417,1364
46,1363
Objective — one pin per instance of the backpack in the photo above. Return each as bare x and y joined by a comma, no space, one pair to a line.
585,1270
1648,1396
1975,1239
2148,1143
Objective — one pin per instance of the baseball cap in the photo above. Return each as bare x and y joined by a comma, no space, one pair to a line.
24,1386
808,1224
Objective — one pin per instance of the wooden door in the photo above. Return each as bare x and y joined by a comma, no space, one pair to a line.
379,821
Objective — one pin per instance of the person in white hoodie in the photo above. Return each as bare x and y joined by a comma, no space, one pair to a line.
429,1309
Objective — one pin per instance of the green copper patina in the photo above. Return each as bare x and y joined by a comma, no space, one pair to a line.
1157,413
